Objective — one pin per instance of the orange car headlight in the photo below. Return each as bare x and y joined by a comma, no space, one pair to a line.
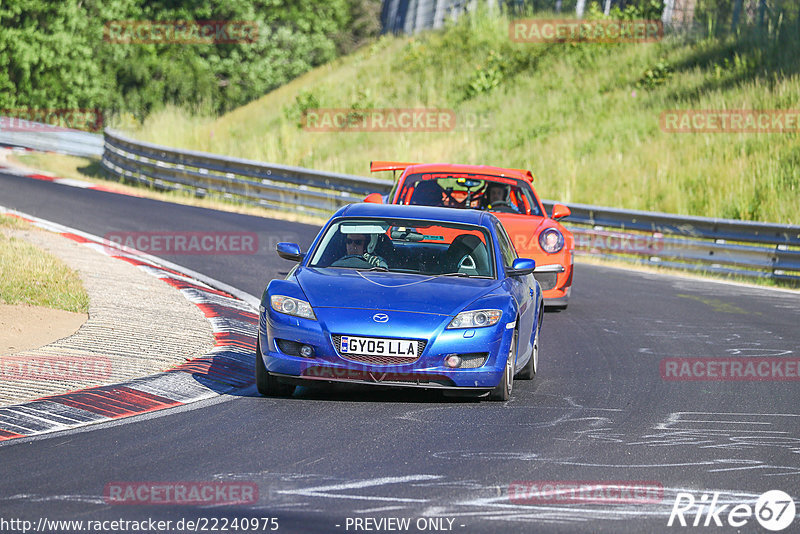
551,240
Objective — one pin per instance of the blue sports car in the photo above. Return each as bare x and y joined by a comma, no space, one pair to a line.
408,296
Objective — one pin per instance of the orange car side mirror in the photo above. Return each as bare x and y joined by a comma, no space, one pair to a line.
560,211
374,198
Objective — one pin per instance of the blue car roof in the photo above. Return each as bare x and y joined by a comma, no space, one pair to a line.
367,209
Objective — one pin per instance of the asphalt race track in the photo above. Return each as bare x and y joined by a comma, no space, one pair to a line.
599,411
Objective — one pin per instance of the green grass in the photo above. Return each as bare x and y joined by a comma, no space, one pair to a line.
583,117
33,276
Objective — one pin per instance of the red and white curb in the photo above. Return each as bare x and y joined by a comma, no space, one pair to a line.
228,366
56,180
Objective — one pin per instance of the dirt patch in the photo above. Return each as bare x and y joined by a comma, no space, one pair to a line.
138,325
25,327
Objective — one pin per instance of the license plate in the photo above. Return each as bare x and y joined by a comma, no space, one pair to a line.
370,346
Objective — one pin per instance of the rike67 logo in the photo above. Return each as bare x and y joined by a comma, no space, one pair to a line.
774,510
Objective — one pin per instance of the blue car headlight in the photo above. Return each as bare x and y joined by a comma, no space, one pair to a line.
292,306
475,319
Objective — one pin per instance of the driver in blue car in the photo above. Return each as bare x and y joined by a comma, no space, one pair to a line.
356,245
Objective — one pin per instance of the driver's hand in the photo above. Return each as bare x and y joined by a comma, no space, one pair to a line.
375,260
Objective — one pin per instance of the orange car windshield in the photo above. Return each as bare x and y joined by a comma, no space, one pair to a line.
472,191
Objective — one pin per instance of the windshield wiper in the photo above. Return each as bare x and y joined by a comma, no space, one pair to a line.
467,275
376,268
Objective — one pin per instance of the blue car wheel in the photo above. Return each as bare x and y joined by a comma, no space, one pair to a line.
529,371
503,390
267,384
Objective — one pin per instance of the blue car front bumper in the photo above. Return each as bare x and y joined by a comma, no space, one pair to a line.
483,350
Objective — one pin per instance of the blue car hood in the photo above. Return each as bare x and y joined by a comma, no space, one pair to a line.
348,288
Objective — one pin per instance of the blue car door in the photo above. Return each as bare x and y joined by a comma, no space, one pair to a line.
521,287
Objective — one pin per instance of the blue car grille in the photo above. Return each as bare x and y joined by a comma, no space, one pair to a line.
376,360
473,360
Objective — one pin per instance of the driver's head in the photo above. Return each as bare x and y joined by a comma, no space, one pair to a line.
356,244
497,192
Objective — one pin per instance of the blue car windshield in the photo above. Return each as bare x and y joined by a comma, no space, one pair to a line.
406,246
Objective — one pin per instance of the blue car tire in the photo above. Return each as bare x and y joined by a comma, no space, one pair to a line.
529,371
503,390
266,384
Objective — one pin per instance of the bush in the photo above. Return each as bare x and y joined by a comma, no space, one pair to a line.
53,54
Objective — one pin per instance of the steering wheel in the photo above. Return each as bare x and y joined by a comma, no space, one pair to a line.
503,206
351,260
356,260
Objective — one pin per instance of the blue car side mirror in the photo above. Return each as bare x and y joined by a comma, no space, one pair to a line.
521,267
289,251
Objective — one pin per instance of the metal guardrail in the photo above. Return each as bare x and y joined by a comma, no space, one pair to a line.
72,142
252,182
743,248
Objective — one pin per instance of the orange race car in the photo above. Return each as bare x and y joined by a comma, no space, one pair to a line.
510,195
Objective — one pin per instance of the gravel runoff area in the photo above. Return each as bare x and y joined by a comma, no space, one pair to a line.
138,325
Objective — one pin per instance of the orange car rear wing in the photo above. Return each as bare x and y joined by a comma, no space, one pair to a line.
377,166
528,174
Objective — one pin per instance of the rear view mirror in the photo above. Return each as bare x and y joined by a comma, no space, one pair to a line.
407,234
374,198
468,183
289,251
560,211
521,267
